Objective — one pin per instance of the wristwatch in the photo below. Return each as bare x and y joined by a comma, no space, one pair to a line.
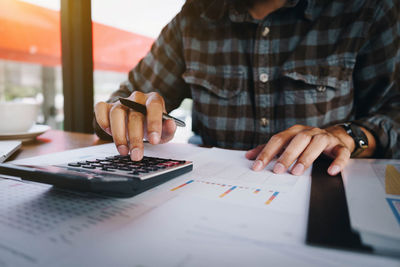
359,137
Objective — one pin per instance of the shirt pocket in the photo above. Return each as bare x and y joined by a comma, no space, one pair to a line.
319,88
218,86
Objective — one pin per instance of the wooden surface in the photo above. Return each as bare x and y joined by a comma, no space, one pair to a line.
55,141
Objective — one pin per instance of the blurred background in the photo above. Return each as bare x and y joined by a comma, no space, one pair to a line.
31,51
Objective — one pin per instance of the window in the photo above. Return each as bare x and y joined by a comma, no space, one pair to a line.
30,50
30,65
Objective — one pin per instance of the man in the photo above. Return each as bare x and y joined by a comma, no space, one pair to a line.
280,76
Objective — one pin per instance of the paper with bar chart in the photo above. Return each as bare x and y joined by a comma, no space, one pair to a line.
222,202
225,175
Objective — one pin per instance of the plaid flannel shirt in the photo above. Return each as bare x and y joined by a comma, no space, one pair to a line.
312,62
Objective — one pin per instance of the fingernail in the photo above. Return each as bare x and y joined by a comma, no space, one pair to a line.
258,165
123,150
107,130
154,138
298,169
136,154
335,169
279,168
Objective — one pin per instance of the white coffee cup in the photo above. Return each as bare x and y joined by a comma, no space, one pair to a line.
17,117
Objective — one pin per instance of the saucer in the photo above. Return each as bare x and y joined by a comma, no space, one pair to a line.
34,131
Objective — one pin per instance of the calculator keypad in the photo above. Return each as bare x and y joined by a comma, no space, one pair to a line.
123,165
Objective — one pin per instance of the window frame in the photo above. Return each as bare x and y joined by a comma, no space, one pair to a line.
77,65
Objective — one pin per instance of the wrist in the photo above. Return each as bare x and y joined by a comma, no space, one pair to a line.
359,140
359,137
343,136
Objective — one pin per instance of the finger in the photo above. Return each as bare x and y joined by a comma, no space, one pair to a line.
253,153
273,147
296,146
342,154
135,133
102,111
118,116
138,97
168,131
155,108
136,127
317,145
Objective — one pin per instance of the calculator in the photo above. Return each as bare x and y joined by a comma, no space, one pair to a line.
116,176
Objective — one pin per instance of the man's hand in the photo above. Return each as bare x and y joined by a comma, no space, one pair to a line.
303,144
129,127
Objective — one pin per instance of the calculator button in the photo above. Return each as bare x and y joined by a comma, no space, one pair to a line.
74,164
88,167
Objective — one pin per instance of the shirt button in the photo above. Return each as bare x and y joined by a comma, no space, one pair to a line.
264,122
321,88
264,77
265,32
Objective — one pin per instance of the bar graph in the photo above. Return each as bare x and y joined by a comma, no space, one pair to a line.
228,190
182,185
271,198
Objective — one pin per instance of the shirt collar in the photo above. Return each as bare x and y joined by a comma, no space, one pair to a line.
218,8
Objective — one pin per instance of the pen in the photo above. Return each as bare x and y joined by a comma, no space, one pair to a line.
142,109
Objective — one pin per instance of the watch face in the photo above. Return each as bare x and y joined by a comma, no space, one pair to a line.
360,139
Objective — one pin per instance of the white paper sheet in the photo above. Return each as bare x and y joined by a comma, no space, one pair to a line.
193,231
7,148
370,210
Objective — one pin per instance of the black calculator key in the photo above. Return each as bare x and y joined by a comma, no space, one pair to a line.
74,164
88,167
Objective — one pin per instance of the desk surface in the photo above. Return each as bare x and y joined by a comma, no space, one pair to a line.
55,141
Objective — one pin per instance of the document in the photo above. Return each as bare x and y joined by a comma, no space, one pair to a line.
7,148
373,213
221,213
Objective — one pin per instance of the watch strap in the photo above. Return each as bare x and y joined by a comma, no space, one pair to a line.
359,137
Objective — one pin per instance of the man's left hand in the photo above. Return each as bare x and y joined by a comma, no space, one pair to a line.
302,145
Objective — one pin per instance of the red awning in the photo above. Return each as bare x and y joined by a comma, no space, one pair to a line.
29,33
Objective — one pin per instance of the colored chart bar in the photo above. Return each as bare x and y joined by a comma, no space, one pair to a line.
271,198
228,191
257,191
182,185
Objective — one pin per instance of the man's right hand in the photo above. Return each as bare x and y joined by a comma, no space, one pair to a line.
129,127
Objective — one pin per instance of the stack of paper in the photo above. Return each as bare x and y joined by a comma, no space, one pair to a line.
374,213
